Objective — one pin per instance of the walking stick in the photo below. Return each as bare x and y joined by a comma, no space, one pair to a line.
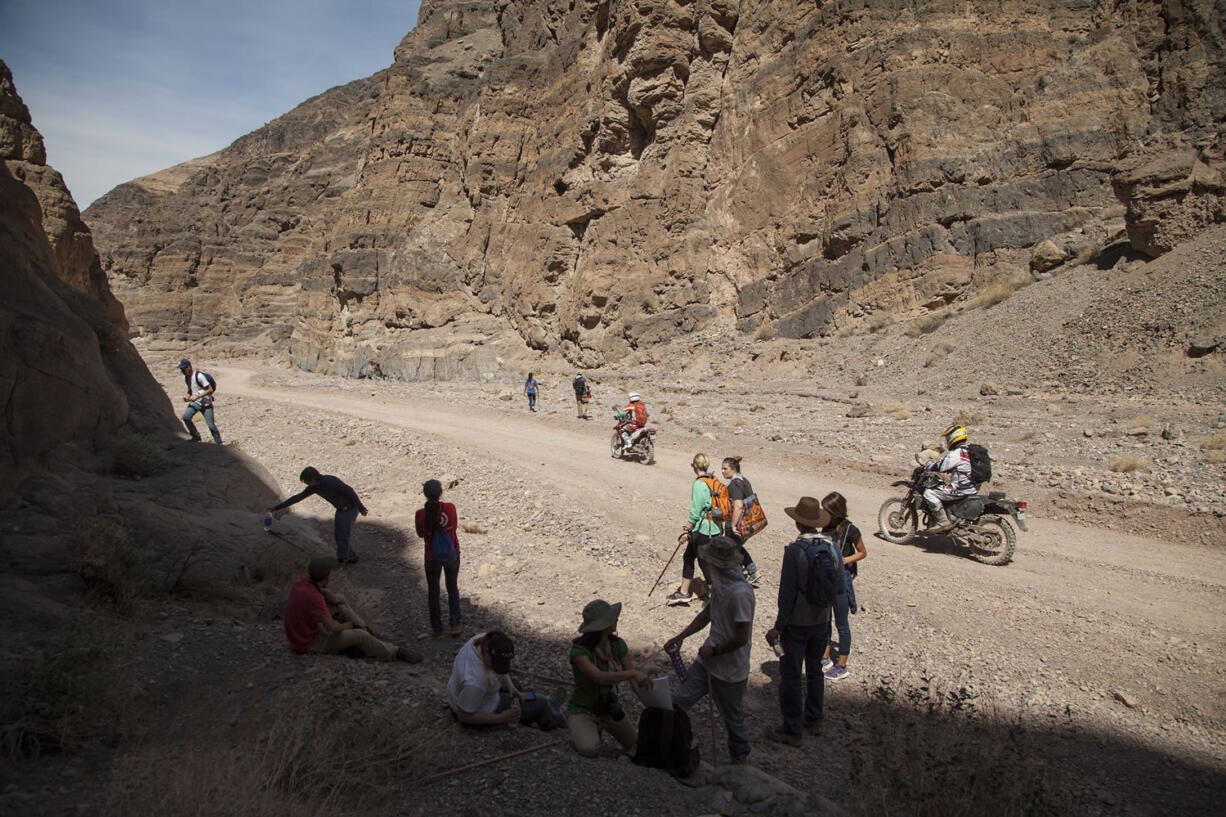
479,763
680,539
711,713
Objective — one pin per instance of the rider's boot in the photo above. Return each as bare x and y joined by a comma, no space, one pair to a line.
940,521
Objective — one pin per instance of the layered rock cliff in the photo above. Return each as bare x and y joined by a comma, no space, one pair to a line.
590,178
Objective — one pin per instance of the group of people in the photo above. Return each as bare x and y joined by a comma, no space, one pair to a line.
580,385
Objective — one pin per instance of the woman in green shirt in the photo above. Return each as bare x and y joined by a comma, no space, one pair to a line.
599,660
699,527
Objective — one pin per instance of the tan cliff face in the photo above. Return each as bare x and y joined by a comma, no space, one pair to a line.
591,178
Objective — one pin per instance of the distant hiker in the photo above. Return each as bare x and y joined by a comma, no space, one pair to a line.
724,656
199,398
436,525
311,626
480,691
583,394
635,414
599,661
338,495
802,625
739,490
530,386
851,547
701,524
956,463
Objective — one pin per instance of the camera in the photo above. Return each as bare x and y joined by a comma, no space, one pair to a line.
608,706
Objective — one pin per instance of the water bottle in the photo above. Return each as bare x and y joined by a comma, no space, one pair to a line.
268,523
674,655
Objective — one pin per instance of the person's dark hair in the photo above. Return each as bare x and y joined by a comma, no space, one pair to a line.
309,474
433,489
836,504
529,375
588,640
734,463
501,650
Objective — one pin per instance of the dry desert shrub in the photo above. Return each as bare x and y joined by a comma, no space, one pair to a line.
681,403
926,324
112,567
766,331
1141,424
1127,463
1215,457
991,295
901,411
757,407
1214,442
939,350
470,527
878,321
968,418
739,421
1054,410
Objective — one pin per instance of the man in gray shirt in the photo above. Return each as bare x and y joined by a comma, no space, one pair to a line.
723,659
339,496
803,628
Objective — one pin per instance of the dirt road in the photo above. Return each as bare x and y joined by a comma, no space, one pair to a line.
1116,636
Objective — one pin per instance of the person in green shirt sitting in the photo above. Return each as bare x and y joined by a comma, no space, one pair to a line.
599,661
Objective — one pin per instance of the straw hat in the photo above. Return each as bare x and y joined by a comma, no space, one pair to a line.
599,615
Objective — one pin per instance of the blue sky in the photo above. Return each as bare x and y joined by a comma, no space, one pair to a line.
122,88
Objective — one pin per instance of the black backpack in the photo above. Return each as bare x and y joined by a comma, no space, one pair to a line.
981,463
666,741
825,571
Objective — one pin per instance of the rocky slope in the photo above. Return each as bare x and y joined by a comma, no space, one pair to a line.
589,178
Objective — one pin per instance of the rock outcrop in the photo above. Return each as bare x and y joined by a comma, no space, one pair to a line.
590,178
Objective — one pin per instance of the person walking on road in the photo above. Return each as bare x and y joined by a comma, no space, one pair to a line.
436,524
738,490
699,527
530,386
583,395
199,399
339,496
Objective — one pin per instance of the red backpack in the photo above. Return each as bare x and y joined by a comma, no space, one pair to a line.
721,505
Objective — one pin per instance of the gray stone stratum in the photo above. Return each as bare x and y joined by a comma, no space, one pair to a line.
588,177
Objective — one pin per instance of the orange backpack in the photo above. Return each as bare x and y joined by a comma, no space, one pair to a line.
721,505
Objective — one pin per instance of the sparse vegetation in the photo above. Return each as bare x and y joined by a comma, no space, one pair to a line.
471,527
1215,442
138,457
111,565
939,350
991,295
878,321
927,324
1055,410
1141,424
767,330
901,411
757,407
739,421
1127,463
968,418
1215,457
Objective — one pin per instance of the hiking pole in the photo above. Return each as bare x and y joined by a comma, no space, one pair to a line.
711,714
680,539
480,763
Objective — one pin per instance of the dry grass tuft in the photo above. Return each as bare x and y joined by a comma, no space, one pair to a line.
927,324
1216,457
878,321
968,418
901,411
1054,410
939,350
681,403
992,295
757,407
1127,463
471,527
739,421
1215,442
1141,424
766,331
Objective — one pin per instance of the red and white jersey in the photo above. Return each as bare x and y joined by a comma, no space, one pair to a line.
957,462
638,413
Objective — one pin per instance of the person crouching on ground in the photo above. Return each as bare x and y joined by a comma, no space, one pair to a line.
480,691
724,656
599,660
436,525
311,627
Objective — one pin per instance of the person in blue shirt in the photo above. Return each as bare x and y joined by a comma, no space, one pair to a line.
530,390
339,496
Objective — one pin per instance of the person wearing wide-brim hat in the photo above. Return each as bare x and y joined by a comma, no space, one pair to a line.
803,628
599,661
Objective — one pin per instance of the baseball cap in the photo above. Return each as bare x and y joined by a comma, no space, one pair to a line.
184,363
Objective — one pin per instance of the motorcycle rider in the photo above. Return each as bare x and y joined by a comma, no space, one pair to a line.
636,417
956,463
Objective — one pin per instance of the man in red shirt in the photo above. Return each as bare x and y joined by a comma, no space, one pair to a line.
310,626
636,412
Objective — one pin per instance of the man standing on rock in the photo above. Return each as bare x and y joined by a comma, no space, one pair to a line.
311,627
199,398
723,659
341,497
583,394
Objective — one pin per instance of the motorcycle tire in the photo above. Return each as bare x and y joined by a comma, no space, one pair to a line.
615,446
896,522
649,452
993,542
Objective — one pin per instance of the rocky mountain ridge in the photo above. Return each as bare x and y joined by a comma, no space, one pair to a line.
590,178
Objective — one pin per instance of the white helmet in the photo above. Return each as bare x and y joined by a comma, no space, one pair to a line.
634,397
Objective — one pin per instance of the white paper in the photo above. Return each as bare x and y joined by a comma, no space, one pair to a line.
658,694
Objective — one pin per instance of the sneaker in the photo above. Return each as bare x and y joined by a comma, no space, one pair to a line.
407,655
679,599
826,664
781,735
837,673
751,575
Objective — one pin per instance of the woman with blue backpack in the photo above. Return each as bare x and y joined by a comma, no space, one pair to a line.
436,524
847,538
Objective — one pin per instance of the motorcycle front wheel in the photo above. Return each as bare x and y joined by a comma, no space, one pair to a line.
896,521
649,452
615,446
992,541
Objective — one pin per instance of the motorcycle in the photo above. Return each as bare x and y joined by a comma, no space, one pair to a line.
641,447
980,523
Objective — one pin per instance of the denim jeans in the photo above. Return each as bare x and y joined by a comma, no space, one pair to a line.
207,411
729,700
532,401
341,529
844,605
450,568
802,645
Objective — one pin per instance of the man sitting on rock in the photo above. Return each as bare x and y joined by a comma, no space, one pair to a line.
311,627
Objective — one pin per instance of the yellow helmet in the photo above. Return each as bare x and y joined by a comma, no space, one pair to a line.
954,435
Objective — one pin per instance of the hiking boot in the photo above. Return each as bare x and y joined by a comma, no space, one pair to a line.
781,735
826,664
837,673
407,655
679,599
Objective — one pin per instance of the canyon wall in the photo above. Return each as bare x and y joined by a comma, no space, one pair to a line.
591,178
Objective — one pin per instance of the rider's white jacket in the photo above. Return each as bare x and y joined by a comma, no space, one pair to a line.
957,463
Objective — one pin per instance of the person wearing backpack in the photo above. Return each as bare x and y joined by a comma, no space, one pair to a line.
739,490
709,505
436,524
599,661
809,582
851,547
956,463
199,398
583,395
